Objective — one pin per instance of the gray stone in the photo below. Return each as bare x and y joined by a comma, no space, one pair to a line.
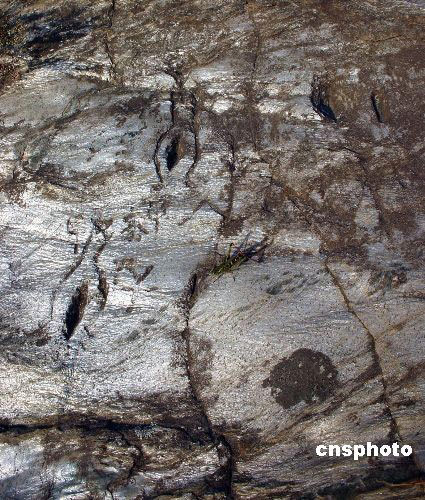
212,238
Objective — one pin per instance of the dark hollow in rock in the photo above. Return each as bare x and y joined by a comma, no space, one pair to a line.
375,105
306,375
320,100
172,153
75,311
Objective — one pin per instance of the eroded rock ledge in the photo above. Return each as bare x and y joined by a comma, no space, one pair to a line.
138,141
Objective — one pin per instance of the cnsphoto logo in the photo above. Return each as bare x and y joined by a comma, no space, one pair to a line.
358,450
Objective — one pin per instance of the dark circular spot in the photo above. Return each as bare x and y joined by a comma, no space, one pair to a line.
306,376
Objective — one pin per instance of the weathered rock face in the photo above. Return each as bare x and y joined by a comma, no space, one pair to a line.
139,140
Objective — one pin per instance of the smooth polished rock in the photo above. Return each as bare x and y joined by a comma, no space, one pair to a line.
145,147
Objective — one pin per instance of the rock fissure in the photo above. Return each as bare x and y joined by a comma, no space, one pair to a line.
156,156
111,12
103,285
71,271
112,63
142,142
375,105
394,434
231,167
79,259
138,461
74,313
319,99
70,422
257,39
218,439
195,129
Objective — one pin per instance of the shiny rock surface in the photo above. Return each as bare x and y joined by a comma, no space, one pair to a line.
138,140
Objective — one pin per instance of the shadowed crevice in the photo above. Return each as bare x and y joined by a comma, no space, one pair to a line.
75,311
319,99
375,105
172,153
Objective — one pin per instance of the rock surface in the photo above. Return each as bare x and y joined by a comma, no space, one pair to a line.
138,141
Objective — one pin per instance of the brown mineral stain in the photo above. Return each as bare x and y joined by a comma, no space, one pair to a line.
306,375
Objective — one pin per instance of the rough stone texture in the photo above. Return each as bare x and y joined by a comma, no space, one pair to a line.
138,140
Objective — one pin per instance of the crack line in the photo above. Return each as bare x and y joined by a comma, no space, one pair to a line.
173,105
394,431
219,440
112,63
111,12
195,126
70,272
